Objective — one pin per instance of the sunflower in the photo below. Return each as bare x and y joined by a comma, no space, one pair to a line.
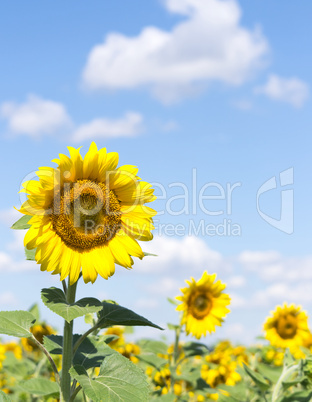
203,305
287,327
87,215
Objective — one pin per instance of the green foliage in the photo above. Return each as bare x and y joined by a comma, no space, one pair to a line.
30,254
118,380
55,300
16,323
113,314
40,387
22,223
152,360
259,380
4,397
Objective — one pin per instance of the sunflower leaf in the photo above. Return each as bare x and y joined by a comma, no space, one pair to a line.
152,346
16,323
259,380
152,360
22,223
119,380
149,254
30,254
113,314
90,353
4,397
55,300
301,396
39,386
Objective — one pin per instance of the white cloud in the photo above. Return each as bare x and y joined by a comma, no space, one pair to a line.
237,301
9,216
278,293
8,264
34,117
289,90
238,281
272,266
146,303
165,286
8,299
189,256
209,45
128,125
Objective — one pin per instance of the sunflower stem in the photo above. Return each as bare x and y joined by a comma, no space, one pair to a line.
67,347
284,376
176,346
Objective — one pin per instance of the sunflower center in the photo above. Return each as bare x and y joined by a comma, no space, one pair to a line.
286,326
200,305
86,214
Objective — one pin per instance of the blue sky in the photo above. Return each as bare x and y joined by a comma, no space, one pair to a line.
216,89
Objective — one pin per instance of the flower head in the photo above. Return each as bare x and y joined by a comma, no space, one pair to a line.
203,305
287,327
87,215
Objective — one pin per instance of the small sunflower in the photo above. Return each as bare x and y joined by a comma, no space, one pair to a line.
203,305
287,327
87,215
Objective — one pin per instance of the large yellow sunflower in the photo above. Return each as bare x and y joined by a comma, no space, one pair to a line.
287,327
87,215
203,305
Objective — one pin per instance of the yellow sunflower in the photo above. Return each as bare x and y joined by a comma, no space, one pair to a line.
287,327
87,215
203,305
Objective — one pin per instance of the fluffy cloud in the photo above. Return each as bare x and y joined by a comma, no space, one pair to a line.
289,90
8,264
128,125
209,44
185,257
34,117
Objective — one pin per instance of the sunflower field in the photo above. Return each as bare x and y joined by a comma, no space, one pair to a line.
82,218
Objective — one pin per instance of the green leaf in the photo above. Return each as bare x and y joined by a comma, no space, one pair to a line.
16,323
149,345
224,398
22,223
260,381
149,254
173,301
237,391
90,353
39,386
164,398
173,327
152,360
195,349
19,369
301,396
273,373
4,397
113,314
30,254
119,380
55,300
298,380
288,358
34,310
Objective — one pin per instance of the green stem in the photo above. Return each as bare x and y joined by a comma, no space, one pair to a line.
57,376
74,394
285,374
176,346
82,338
67,347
